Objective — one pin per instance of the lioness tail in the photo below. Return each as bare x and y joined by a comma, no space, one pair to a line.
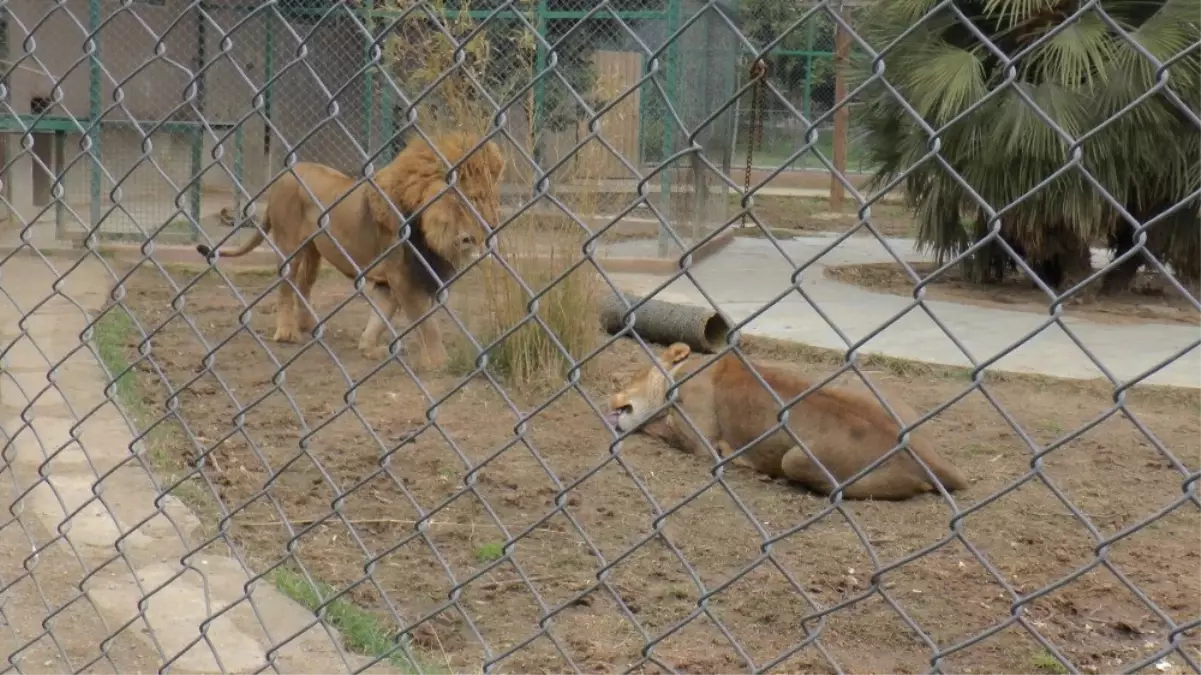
255,240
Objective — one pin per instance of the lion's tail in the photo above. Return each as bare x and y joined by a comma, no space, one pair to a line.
947,473
255,240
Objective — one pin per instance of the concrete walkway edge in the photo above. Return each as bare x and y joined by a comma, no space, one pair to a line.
750,273
68,468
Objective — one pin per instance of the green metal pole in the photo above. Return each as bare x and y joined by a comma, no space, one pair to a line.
368,76
643,116
670,74
807,91
198,132
268,73
94,111
540,57
387,121
387,116
60,164
239,168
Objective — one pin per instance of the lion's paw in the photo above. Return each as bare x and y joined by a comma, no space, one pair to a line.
375,353
286,335
429,363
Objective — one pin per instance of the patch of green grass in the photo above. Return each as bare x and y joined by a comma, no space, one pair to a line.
1052,427
491,551
110,334
778,233
1046,662
361,631
680,592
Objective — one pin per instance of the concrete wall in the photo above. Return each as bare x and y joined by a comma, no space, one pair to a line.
149,54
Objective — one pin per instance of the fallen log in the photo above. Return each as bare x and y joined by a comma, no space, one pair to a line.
661,322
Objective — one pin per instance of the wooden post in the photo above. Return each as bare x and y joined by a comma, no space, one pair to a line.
842,116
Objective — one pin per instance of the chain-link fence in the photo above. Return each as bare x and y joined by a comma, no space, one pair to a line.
978,455
293,65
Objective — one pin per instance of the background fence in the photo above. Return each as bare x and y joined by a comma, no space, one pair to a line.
184,492
602,51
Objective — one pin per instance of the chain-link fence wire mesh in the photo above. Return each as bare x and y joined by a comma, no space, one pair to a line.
478,544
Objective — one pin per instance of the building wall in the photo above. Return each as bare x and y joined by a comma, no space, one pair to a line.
150,55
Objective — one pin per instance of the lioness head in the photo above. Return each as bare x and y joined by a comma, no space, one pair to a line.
448,226
632,406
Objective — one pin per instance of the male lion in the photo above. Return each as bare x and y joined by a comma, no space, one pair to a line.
846,430
446,234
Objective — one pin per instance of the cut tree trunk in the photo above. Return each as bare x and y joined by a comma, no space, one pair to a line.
702,329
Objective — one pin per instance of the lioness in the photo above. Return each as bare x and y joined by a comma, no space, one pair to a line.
846,430
446,234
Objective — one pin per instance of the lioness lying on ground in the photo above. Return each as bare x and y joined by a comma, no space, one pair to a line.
846,430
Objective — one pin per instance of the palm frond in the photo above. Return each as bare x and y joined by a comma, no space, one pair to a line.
1090,80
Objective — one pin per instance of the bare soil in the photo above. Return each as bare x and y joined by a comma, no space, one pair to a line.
1149,298
307,454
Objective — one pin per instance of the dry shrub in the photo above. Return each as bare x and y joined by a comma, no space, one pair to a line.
533,355
545,254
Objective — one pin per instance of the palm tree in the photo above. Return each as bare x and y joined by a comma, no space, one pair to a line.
1010,112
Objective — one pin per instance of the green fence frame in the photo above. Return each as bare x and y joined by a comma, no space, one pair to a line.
372,16
94,123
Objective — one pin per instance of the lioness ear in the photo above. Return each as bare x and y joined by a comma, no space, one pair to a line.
675,354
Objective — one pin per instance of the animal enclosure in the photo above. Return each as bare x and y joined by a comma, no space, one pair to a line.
184,492
241,89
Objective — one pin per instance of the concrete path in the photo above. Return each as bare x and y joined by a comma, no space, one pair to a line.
750,273
81,540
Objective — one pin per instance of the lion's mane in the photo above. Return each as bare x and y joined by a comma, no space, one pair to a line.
417,175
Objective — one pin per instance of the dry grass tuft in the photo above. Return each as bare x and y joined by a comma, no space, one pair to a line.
538,344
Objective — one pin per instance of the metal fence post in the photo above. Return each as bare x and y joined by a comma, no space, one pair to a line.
671,71
842,116
368,15
197,135
95,92
540,57
807,90
268,85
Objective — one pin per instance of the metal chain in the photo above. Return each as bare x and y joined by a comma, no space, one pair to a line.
758,74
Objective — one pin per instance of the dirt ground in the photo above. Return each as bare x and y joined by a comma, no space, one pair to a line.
320,425
1150,298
